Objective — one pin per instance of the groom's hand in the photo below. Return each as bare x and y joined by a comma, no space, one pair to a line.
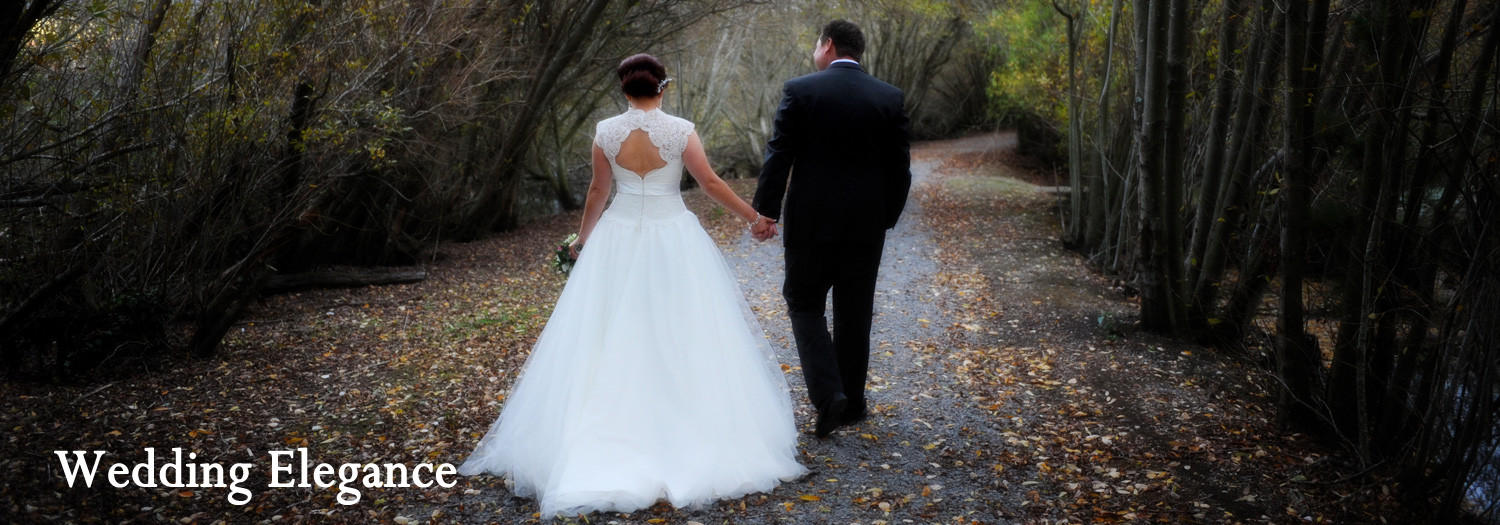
766,234
764,228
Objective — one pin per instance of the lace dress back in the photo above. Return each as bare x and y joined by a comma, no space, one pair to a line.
654,195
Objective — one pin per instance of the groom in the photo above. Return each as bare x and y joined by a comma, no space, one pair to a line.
841,137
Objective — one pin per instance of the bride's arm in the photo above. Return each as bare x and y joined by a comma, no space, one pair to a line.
696,162
593,203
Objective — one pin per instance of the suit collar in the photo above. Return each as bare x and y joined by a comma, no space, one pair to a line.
845,65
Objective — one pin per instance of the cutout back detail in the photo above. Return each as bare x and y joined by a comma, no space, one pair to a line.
639,155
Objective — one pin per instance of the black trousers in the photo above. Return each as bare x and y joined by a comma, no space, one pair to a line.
838,362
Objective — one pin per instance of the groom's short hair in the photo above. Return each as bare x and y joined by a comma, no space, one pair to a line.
847,39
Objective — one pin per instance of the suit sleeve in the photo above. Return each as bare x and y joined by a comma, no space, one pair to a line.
899,177
780,154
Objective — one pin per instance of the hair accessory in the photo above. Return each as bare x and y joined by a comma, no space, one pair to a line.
663,84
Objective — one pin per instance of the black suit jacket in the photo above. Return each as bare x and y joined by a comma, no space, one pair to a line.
841,136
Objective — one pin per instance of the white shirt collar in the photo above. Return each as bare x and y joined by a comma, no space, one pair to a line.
851,61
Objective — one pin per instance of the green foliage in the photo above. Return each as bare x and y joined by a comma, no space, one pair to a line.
1028,89
1032,73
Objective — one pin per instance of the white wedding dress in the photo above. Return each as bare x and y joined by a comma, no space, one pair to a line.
651,379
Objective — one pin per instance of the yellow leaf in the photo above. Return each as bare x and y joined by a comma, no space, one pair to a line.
809,497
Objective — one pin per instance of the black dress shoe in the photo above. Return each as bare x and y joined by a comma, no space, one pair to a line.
854,413
828,420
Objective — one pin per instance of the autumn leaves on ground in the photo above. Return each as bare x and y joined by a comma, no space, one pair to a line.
1006,383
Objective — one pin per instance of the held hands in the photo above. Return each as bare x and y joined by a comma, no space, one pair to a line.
763,228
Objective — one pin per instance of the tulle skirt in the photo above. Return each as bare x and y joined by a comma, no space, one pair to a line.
650,381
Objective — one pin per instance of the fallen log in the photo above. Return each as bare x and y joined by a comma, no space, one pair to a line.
345,278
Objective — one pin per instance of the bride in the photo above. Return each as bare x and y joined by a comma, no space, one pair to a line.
651,379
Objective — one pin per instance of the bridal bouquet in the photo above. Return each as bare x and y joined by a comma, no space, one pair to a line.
563,262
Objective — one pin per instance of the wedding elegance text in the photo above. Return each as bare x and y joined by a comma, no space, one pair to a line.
289,468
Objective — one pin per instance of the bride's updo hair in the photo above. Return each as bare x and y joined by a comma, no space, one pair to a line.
641,76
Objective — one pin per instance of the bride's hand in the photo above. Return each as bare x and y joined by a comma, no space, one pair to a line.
574,247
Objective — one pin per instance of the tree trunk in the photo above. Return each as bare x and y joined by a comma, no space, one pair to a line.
140,52
1250,124
1259,264
1173,161
1074,223
1297,352
17,18
134,69
499,194
1394,425
570,126
1142,40
1399,425
1155,279
1255,277
1097,229
226,307
293,153
1128,191
1213,165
